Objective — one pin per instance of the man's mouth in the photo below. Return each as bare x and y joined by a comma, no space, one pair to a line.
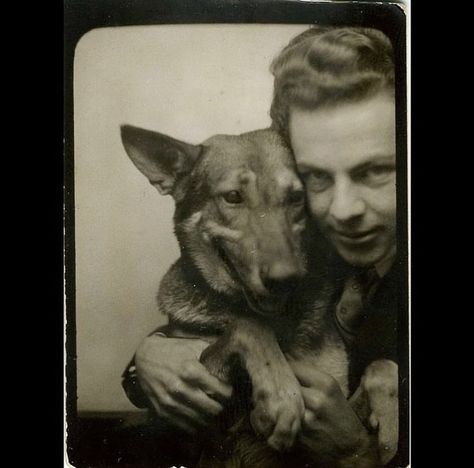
355,237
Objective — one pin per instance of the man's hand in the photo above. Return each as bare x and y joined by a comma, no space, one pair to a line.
380,383
331,430
180,388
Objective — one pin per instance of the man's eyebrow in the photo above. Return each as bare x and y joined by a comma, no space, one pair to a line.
370,161
304,167
375,160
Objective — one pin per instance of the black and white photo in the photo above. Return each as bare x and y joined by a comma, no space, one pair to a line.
240,232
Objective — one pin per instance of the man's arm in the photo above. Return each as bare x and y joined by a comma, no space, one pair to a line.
132,388
130,382
166,376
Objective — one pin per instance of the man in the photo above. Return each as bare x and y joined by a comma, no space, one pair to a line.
334,103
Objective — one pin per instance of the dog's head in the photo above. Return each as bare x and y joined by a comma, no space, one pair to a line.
240,209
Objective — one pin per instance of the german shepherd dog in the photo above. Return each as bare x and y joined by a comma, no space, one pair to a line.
240,218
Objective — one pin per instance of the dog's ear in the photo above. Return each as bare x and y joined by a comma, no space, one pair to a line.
161,158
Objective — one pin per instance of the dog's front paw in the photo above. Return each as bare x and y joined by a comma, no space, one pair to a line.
277,413
380,381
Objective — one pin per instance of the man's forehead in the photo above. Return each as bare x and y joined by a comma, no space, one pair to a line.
343,136
327,155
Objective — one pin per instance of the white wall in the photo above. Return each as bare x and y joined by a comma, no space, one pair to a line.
188,81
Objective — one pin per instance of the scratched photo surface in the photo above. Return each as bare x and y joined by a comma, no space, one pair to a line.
186,81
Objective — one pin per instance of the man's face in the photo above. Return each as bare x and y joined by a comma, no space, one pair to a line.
346,156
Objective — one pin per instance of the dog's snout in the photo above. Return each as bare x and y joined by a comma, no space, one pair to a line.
280,277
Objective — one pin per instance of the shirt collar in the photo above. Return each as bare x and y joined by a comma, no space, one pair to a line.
384,265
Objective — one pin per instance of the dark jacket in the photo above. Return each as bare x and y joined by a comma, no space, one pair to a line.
378,336
381,337
384,335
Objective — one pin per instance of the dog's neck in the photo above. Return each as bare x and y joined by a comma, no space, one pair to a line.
190,302
191,274
186,298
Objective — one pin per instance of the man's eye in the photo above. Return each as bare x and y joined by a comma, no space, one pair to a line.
376,175
317,181
233,197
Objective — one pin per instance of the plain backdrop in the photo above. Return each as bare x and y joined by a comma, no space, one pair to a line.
188,81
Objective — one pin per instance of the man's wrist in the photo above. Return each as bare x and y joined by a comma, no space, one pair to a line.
132,387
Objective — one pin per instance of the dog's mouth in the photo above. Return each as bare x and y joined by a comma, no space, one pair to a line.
229,266
269,305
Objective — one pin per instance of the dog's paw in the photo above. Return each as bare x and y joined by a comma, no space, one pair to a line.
277,415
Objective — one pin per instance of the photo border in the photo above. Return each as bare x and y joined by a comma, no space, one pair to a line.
82,16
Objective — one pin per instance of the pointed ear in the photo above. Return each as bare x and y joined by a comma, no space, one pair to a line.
159,157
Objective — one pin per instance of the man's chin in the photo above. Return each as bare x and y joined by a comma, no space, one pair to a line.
365,254
360,258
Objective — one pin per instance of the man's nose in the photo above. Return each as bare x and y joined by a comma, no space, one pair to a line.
346,202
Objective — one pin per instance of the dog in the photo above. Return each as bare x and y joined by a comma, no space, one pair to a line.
240,220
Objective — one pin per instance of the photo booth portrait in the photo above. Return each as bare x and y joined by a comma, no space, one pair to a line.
186,81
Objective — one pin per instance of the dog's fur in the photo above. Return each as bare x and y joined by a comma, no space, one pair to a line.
239,220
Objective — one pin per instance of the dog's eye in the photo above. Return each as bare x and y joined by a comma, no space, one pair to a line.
296,197
233,197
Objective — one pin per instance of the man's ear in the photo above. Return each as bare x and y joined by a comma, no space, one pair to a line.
159,157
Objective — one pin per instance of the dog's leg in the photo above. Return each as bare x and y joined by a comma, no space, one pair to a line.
376,404
276,394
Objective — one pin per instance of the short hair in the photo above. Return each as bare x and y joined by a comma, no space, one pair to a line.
327,65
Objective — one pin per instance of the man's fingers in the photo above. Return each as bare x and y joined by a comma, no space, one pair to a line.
177,395
313,399
196,374
198,400
317,381
220,397
314,408
182,408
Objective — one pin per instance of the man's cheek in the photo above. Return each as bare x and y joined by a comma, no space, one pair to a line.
384,201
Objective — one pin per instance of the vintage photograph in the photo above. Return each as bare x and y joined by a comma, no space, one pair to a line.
240,244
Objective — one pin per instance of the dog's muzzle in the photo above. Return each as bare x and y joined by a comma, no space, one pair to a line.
276,283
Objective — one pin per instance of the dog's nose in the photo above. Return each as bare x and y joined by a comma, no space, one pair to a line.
280,278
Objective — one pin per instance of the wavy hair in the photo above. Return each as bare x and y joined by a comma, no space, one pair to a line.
327,65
